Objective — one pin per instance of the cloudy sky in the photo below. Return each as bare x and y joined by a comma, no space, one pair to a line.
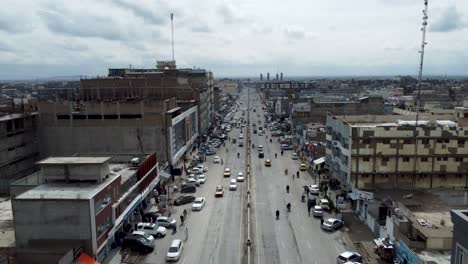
41,38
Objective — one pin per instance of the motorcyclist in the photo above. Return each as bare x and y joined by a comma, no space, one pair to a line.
277,214
282,153
288,206
238,155
253,145
286,172
297,174
271,140
276,155
287,188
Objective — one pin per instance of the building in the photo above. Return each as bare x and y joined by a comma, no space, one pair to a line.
118,126
228,86
79,203
216,99
18,147
379,152
164,82
460,239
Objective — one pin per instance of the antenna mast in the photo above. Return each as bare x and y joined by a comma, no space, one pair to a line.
172,32
418,98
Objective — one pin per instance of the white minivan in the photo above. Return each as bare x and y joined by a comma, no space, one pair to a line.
175,250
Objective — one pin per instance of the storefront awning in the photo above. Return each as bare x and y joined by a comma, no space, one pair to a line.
319,161
86,259
164,174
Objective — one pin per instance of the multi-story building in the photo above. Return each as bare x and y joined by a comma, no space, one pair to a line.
79,203
164,82
118,126
228,86
18,147
369,152
460,239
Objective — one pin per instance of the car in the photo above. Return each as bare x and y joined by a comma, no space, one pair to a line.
188,189
261,155
137,243
227,172
348,256
144,234
202,168
233,185
318,211
166,222
152,229
210,152
294,156
260,148
184,199
260,133
324,204
267,163
302,167
201,178
314,189
219,191
175,250
240,177
151,216
198,204
195,170
255,131
286,147
191,181
332,224
216,159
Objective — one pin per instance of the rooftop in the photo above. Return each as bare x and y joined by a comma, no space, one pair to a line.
15,116
7,231
395,120
74,160
67,191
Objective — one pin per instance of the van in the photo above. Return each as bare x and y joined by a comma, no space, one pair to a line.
175,250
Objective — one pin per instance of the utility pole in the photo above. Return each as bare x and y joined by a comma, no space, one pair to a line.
418,98
172,32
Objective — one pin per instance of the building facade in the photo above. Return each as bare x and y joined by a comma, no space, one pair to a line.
372,152
460,239
18,147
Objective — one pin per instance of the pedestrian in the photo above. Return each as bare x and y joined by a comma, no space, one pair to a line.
308,208
174,230
321,220
293,177
186,233
185,214
181,219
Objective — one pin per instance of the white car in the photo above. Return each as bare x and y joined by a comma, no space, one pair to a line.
227,172
348,256
314,189
198,204
240,177
233,185
294,156
144,234
175,250
216,159
166,221
195,170
201,178
202,168
152,229
318,211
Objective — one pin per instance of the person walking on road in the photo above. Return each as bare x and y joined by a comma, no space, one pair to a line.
185,214
321,220
293,177
186,233
181,220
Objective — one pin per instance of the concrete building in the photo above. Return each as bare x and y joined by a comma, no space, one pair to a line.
79,203
228,86
162,83
460,238
216,99
120,126
18,147
378,152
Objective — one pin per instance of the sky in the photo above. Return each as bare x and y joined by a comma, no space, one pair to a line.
49,38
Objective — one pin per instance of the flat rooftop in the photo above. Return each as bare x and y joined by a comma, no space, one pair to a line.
7,230
74,160
395,120
66,191
15,116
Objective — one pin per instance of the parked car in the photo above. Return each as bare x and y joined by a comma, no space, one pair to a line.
348,256
210,152
202,168
324,204
201,178
233,185
261,155
184,199
294,156
216,159
191,182
144,234
137,243
152,229
188,189
267,163
318,212
332,224
240,177
227,172
151,216
302,167
286,147
314,189
195,170
219,191
175,250
166,221
198,204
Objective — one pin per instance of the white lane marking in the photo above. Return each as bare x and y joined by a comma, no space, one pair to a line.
308,244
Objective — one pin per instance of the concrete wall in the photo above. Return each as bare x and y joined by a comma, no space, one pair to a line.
460,231
46,229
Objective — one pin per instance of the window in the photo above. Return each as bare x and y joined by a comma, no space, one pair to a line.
385,159
407,141
425,141
366,159
102,203
366,141
386,141
461,142
406,159
445,158
424,159
460,253
458,159
102,227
